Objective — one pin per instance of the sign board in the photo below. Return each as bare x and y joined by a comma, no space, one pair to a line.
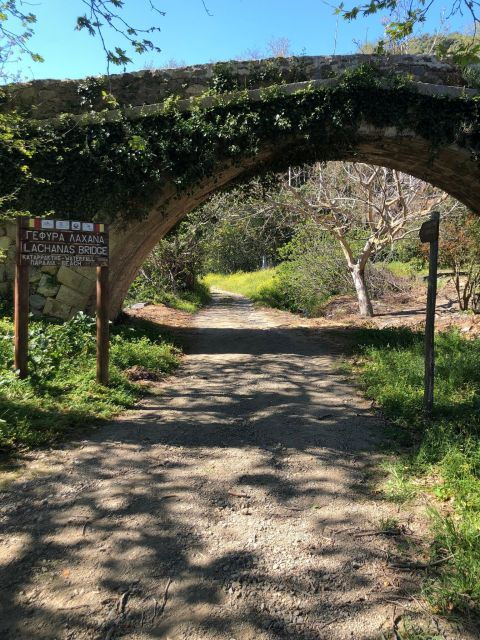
47,242
43,242
429,231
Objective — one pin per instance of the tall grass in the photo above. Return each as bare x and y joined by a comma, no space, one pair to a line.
409,269
260,286
442,455
189,301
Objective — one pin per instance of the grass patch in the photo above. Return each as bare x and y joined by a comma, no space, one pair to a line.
189,301
60,395
260,286
409,269
441,456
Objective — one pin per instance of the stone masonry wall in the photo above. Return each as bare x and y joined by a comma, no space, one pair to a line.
61,292
47,98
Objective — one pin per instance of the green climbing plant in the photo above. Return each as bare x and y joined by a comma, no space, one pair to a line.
116,169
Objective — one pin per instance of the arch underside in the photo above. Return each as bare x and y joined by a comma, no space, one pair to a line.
451,169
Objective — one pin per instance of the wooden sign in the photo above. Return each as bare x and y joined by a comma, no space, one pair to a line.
429,230
46,242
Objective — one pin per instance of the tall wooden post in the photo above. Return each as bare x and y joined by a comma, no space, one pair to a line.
429,233
102,325
21,295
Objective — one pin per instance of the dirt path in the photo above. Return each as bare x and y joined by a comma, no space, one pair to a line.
227,506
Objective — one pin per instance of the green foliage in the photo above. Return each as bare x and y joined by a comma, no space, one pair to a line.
256,285
407,269
313,270
92,171
241,228
157,358
189,301
17,150
170,273
61,395
264,74
460,251
444,454
409,249
402,20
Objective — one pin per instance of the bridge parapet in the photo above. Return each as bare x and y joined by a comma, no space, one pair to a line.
48,98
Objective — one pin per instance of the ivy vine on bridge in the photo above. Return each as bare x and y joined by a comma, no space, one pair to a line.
122,155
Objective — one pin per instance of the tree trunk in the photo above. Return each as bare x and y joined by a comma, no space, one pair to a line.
364,302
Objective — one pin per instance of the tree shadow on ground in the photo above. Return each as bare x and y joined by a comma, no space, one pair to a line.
137,532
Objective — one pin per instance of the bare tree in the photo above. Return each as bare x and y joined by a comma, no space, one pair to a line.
279,47
364,207
276,48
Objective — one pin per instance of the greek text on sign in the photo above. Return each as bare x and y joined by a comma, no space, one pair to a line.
47,242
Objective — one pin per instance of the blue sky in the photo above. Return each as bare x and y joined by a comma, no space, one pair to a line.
188,34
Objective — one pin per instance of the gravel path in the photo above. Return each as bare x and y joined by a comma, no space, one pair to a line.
228,506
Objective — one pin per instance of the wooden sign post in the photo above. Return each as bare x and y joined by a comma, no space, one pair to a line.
21,311
103,328
45,242
429,233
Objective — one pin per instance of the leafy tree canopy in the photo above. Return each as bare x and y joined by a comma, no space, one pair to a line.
405,17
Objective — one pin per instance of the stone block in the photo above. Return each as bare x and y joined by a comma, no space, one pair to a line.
51,270
34,275
74,280
3,231
57,309
10,269
11,230
87,272
5,243
48,286
36,301
71,297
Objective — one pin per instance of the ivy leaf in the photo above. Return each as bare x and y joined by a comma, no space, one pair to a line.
137,143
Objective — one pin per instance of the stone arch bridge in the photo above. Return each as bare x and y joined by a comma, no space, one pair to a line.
452,166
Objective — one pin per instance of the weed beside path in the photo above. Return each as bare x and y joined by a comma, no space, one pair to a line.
60,396
153,293
441,457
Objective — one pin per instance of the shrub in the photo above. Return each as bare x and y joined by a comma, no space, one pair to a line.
60,395
443,452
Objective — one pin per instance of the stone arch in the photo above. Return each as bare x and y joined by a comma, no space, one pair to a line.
450,167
